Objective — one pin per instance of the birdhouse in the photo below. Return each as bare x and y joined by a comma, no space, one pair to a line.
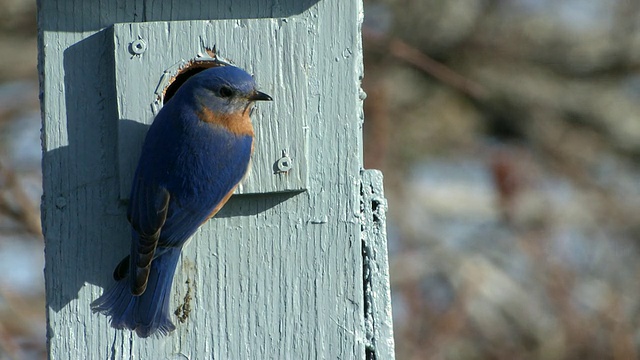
295,264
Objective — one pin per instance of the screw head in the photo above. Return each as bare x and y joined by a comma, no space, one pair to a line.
284,164
137,47
61,202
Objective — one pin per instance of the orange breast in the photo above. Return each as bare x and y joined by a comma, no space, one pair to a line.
238,123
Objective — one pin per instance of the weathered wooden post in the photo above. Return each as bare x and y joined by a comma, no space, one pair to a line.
295,267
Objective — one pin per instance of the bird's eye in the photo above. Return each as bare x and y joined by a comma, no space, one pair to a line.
225,92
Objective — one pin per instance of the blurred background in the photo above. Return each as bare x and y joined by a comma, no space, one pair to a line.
509,135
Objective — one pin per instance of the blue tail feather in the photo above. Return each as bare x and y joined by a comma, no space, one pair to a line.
147,314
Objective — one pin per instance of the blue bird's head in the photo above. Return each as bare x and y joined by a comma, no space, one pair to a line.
224,90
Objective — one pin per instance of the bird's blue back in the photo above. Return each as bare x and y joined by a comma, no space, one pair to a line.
198,163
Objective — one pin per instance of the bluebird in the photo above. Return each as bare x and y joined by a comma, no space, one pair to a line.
195,154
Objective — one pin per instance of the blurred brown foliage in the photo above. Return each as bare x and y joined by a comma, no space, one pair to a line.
509,136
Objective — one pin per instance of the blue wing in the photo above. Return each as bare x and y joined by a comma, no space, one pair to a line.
187,170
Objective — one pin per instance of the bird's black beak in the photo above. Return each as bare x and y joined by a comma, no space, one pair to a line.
259,96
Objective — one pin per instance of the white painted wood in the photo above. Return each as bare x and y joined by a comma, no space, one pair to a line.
377,290
274,275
